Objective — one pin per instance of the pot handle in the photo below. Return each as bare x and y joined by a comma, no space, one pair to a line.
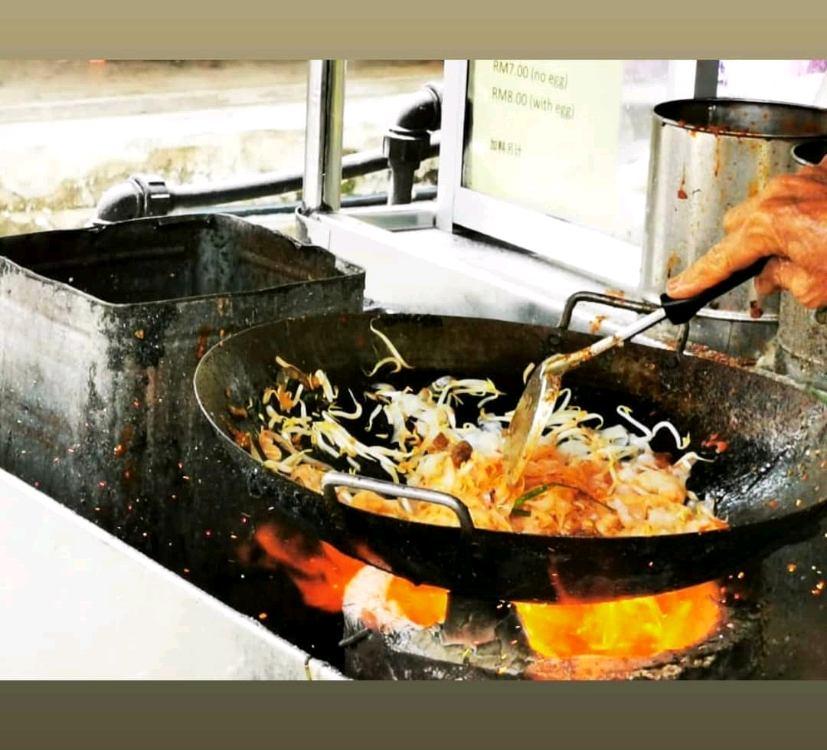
333,479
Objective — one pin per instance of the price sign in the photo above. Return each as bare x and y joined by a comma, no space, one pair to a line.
545,134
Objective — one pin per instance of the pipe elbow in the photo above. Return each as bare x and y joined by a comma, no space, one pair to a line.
120,202
422,112
135,198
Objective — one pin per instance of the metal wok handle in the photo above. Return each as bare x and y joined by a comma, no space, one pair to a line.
617,302
334,479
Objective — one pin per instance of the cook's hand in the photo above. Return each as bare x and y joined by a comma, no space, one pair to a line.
787,220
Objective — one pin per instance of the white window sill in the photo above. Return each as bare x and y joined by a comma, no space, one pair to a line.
427,270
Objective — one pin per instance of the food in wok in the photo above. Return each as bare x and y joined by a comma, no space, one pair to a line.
583,477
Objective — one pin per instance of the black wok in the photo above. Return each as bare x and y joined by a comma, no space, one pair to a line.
769,485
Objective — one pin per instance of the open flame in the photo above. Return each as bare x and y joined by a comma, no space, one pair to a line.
643,626
423,605
638,627
320,573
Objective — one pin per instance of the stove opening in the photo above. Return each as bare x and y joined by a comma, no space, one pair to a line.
644,626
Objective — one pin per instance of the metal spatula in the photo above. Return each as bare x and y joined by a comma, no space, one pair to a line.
541,390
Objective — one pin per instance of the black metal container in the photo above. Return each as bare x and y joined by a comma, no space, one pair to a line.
100,332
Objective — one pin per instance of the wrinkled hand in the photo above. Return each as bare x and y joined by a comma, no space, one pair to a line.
786,220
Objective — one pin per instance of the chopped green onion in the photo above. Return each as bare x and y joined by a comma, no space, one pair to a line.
532,493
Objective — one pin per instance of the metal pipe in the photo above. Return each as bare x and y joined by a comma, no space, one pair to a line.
143,195
406,142
185,196
423,111
138,196
323,146
706,78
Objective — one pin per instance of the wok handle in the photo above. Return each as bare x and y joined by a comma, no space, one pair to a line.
619,303
680,311
333,479
644,308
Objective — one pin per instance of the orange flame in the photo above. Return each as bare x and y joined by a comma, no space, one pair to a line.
640,627
321,575
424,605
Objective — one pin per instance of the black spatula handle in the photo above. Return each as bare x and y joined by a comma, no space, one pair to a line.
679,311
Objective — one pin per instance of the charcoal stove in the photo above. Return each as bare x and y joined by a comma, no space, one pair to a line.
390,629
487,640
768,621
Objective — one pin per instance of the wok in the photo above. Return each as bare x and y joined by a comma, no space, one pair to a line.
770,485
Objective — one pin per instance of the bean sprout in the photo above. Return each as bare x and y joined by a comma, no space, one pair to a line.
584,477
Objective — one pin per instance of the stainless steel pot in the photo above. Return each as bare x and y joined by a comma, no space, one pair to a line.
707,155
802,333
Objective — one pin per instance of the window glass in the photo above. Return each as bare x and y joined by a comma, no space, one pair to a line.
73,128
794,81
376,92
